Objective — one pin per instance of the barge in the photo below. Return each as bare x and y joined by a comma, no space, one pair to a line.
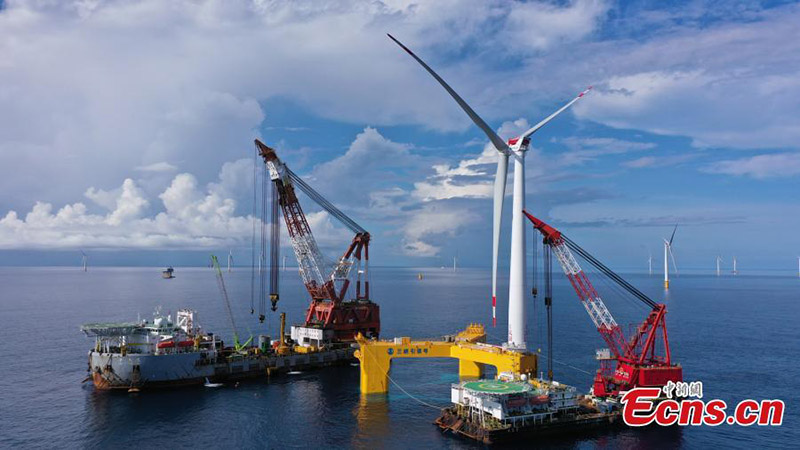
160,353
492,411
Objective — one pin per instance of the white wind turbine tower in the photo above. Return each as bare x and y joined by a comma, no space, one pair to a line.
84,261
667,255
719,260
516,147
454,263
230,260
734,266
650,263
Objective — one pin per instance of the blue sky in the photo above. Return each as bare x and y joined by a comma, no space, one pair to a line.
128,126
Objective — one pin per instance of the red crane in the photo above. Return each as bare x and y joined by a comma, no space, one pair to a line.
327,283
629,363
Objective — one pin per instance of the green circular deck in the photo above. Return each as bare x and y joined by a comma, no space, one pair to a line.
495,387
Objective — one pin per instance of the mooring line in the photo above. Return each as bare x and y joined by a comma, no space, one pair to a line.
386,372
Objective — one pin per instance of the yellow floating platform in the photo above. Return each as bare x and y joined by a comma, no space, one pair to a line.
468,346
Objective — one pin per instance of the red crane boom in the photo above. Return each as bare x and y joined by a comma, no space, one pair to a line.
635,362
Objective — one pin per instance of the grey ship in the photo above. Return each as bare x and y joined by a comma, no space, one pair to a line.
161,353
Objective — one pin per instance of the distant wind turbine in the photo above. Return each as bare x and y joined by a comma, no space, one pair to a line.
668,254
650,263
84,261
735,272
719,260
230,260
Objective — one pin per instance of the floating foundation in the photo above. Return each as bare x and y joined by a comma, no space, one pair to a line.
468,346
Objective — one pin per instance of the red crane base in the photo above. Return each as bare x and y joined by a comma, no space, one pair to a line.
628,376
346,319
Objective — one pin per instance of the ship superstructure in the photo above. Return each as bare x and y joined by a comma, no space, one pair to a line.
510,408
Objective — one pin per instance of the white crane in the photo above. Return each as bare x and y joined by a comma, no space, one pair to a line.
516,147
667,255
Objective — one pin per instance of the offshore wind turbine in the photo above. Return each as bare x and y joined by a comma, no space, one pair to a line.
735,272
84,261
230,260
667,255
517,148
650,263
719,260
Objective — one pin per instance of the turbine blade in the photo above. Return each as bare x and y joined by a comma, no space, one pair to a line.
674,265
673,234
499,197
498,143
552,116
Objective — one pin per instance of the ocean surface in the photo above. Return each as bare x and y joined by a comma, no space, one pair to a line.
738,335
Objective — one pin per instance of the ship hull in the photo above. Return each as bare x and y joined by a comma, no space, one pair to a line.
585,422
113,371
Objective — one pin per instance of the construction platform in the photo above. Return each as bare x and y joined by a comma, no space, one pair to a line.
468,346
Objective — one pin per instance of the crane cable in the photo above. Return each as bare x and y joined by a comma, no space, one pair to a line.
324,203
608,272
253,240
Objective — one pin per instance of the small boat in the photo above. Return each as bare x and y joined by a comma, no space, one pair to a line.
168,273
209,384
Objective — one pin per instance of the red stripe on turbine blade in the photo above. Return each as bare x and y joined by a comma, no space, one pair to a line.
494,301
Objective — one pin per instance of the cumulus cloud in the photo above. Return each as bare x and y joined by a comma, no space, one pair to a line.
191,219
178,86
181,88
431,221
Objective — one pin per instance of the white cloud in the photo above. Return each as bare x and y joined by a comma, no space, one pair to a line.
130,204
161,166
638,163
142,83
658,161
370,163
759,166
724,85
192,219
431,221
